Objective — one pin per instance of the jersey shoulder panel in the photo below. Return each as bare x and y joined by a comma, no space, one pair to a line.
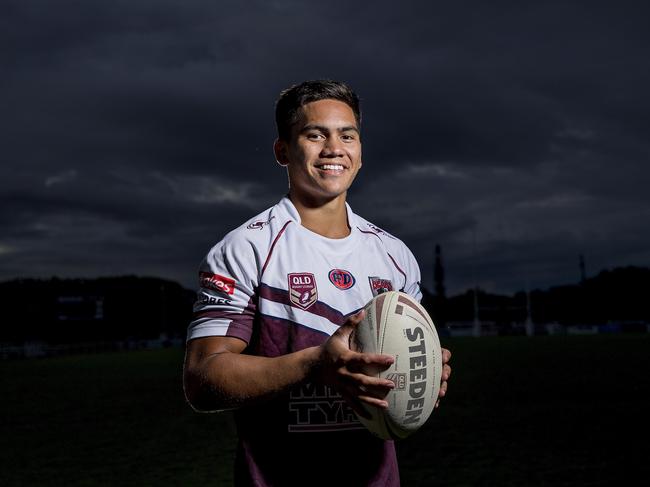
393,244
398,252
229,277
252,240
255,231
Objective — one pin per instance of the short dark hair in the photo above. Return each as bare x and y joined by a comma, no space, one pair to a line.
291,99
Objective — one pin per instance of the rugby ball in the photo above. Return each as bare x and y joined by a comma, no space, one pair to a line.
396,324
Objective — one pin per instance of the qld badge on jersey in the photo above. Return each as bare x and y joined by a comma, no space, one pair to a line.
379,285
302,289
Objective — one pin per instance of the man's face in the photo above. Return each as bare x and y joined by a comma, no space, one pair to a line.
323,155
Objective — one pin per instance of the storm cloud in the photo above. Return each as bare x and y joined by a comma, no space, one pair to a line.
136,134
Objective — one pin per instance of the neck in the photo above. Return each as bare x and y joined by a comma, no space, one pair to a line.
329,219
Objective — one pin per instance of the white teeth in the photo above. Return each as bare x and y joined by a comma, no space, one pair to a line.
336,167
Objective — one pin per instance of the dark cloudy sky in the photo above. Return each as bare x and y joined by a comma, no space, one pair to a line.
135,133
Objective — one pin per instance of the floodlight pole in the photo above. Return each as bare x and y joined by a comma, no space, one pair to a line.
476,330
529,326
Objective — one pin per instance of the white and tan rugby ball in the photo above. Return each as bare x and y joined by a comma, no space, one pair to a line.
396,324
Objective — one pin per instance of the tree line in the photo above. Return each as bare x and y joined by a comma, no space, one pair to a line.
130,307
618,295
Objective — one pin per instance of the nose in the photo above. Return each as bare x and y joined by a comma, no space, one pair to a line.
333,147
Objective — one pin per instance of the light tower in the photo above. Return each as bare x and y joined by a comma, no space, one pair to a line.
528,325
476,329
583,272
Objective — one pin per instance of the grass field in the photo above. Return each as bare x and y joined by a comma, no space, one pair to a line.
521,412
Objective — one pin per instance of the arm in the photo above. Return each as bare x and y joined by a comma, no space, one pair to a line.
218,376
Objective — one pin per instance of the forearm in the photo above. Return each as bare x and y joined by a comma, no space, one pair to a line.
228,380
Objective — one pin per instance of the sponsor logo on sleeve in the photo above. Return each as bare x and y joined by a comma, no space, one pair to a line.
206,300
259,225
217,282
302,289
342,279
379,285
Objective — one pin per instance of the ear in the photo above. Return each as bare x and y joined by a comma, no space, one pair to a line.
281,152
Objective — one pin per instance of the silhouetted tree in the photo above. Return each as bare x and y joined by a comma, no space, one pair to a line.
103,309
68,310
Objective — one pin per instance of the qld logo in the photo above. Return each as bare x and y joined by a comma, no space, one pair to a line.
342,279
302,289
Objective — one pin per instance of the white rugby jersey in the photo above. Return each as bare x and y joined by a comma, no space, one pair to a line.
282,288
273,268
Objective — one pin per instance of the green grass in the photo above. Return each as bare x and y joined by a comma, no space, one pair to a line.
109,419
537,411
520,411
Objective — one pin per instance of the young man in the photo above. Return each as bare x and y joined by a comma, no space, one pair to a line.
279,297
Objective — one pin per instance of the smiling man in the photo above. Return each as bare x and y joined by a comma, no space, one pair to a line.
279,297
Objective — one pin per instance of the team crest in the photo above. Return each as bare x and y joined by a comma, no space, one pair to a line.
342,279
302,289
379,285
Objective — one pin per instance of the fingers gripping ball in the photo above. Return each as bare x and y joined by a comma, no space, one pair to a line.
396,324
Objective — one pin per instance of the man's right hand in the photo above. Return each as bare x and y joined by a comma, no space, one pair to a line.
353,374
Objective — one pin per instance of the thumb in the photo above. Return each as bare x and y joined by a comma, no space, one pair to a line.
353,320
351,326
358,317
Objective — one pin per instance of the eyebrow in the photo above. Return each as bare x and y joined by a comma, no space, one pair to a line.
347,128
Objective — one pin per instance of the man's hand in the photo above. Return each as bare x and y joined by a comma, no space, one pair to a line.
351,373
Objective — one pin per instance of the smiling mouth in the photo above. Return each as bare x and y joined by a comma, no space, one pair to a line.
331,167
